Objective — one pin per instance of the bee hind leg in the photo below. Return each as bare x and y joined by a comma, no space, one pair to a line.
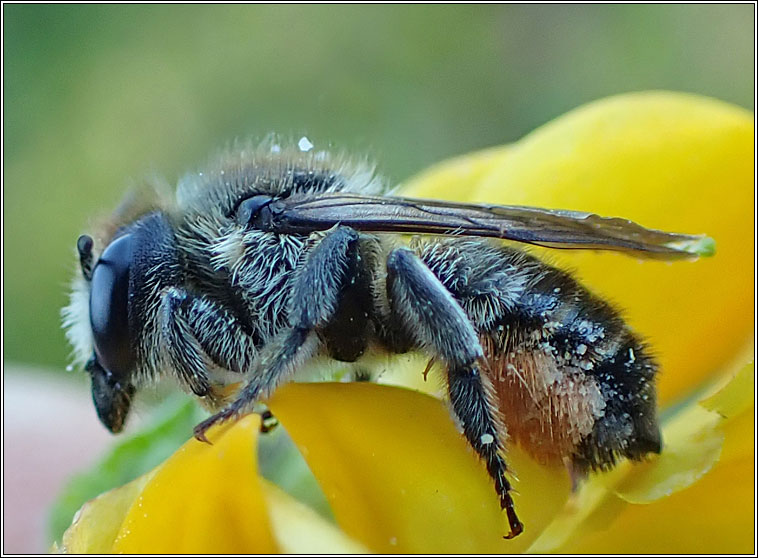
426,308
469,400
315,299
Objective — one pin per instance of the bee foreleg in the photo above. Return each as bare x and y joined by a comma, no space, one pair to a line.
430,313
314,300
220,335
182,348
198,333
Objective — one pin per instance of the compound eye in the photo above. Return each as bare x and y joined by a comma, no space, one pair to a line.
108,309
248,209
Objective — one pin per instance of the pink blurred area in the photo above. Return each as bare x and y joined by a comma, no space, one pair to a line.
50,431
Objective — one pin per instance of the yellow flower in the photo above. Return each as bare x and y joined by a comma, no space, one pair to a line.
397,474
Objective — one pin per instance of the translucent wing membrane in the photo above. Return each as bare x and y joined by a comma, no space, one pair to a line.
543,227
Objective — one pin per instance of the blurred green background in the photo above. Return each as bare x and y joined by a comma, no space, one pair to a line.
98,96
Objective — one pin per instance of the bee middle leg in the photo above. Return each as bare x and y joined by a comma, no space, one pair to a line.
315,299
428,311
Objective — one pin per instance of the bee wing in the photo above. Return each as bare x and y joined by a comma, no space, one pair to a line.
532,225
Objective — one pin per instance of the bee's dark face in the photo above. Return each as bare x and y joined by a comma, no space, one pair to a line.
112,364
114,318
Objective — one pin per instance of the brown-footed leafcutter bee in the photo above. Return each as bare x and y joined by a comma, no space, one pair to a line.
274,255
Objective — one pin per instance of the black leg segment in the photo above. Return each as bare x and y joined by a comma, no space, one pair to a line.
428,312
315,299
468,397
436,320
184,352
198,333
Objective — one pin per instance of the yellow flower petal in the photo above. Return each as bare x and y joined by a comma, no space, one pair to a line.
671,161
592,505
400,478
300,530
694,497
457,178
736,396
692,444
97,524
203,499
735,403
296,527
714,516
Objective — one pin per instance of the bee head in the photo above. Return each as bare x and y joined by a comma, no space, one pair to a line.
112,319
113,361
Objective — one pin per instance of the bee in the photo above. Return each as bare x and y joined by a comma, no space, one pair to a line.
275,255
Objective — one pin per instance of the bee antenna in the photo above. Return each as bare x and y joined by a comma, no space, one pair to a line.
84,246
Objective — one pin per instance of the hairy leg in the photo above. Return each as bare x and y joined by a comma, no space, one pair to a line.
199,333
314,301
439,324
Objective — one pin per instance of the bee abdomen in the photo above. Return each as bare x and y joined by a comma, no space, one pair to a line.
591,344
592,390
572,381
629,427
